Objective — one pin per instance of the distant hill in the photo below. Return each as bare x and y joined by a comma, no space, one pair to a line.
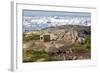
78,28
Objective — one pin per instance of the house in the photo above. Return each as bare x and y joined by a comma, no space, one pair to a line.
47,37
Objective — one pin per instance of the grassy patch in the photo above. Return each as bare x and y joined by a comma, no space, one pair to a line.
85,47
33,56
31,37
34,37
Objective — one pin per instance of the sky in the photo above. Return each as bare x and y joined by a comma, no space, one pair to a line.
53,13
42,22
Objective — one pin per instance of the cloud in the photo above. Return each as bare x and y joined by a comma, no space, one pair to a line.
37,23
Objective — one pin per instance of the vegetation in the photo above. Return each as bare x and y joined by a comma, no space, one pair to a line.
57,50
32,56
85,47
31,37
